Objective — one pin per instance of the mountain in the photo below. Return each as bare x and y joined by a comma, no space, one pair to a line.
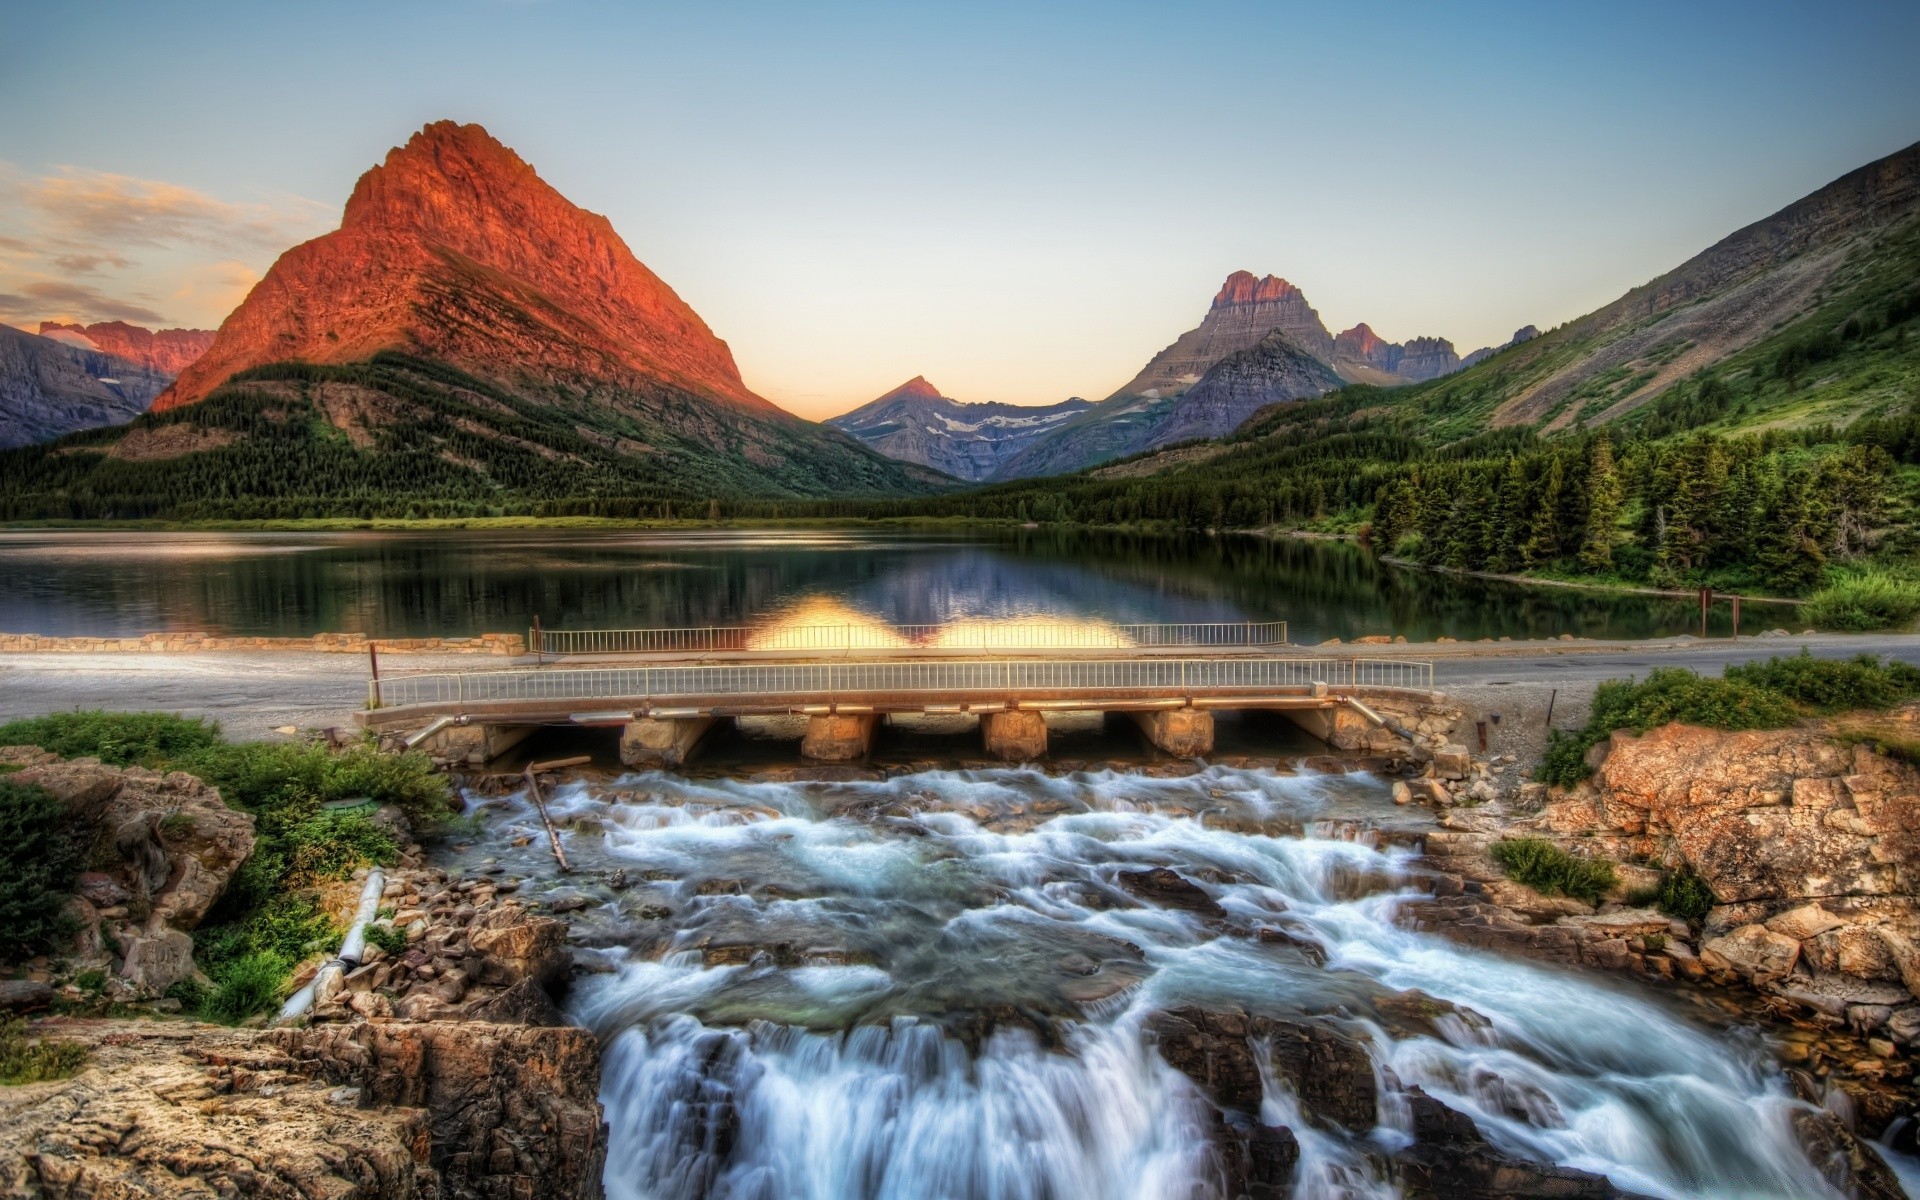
1158,407
915,423
49,388
168,351
467,339
1271,371
1525,333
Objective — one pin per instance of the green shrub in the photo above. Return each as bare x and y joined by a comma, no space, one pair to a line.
1668,694
1832,684
389,939
1685,895
42,855
122,739
1865,602
248,986
37,1060
1551,871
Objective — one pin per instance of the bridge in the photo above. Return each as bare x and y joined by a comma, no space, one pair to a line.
664,709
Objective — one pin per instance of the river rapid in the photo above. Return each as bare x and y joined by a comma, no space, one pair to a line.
943,985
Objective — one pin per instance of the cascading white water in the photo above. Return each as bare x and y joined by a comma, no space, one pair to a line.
802,1026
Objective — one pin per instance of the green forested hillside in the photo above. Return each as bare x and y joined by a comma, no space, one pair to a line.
403,436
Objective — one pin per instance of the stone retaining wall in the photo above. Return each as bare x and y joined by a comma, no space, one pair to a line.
504,644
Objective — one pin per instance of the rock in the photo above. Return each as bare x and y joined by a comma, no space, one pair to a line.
100,890
24,995
1855,1167
1168,889
155,961
1452,761
1754,951
1450,1160
1332,1075
1804,923
518,946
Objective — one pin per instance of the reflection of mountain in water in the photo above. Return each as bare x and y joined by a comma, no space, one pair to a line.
998,583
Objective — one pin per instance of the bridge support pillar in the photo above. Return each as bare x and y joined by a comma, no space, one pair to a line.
477,744
1181,732
839,737
661,741
1016,735
1338,726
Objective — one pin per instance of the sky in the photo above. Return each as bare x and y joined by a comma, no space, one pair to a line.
1020,201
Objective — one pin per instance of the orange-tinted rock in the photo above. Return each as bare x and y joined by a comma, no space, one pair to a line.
454,249
170,351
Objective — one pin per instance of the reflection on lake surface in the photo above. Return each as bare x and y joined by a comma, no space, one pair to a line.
464,582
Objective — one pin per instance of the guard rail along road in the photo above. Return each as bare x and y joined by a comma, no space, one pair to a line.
987,637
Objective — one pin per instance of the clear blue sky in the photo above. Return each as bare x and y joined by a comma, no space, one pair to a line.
1021,201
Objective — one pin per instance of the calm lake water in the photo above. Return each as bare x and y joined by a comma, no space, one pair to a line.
473,581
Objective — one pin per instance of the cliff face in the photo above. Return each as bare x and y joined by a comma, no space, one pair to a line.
454,249
915,423
50,388
1233,389
166,352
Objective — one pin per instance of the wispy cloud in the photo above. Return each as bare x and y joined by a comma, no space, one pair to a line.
158,251
88,264
53,300
98,208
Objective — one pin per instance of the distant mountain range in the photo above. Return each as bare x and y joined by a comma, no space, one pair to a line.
1260,343
470,339
915,423
51,386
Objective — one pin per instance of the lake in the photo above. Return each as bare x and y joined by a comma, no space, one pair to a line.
463,582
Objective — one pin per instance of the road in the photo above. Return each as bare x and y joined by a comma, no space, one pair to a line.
252,694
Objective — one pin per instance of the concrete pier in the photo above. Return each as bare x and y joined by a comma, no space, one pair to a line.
839,737
662,741
1018,735
476,744
1181,732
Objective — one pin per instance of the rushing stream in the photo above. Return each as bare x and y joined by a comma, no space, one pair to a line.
939,986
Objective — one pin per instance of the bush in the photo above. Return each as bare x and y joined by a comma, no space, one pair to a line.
1865,602
1831,684
329,845
249,985
1551,871
1685,895
1669,694
37,1061
43,854
122,739
392,941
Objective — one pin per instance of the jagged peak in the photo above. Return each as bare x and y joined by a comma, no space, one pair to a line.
1361,340
1242,287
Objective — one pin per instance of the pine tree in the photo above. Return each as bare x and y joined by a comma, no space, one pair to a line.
1509,518
1603,507
1543,535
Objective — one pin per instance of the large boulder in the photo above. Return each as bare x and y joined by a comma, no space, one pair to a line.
1450,1160
1219,1050
163,848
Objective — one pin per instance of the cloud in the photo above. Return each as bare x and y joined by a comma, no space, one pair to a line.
101,212
87,264
15,245
53,300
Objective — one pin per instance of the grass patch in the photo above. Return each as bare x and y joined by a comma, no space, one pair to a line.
43,854
1551,871
1685,895
390,940
35,1060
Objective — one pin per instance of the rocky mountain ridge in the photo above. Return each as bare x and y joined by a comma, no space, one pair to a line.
164,352
970,441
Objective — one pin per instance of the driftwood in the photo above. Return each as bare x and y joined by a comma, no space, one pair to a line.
533,787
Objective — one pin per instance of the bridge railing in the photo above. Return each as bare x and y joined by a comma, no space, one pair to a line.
985,637
930,678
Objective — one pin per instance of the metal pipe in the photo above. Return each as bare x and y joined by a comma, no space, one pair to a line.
353,948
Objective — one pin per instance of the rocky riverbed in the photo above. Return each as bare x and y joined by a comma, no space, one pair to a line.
1250,978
